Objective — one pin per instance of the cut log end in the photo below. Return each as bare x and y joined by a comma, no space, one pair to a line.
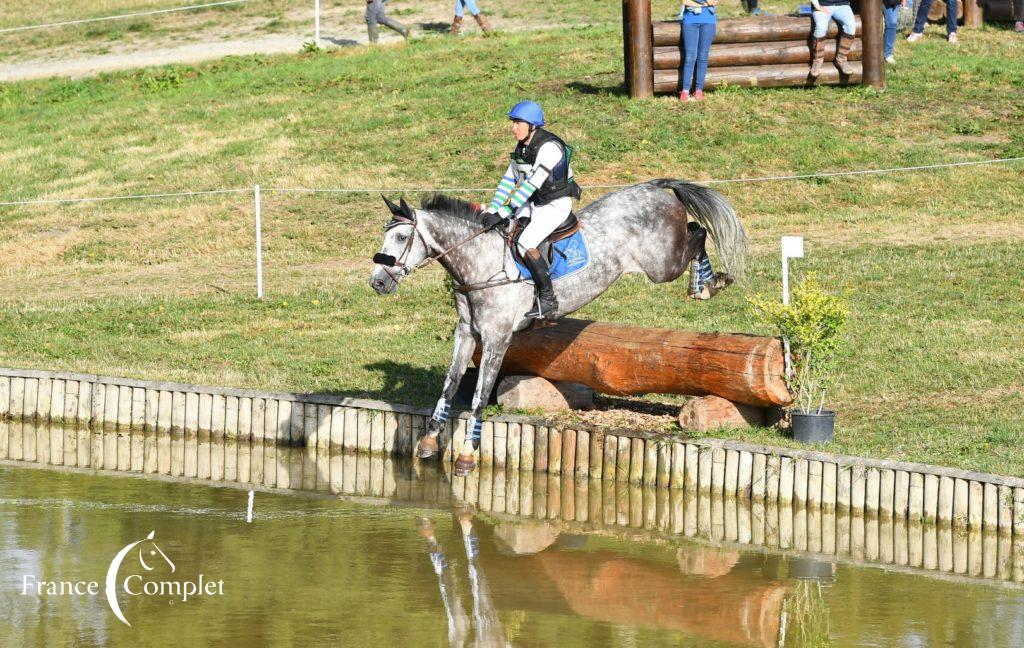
713,412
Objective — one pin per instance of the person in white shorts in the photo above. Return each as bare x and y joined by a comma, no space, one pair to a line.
538,185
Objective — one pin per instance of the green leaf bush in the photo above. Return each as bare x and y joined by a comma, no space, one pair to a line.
813,322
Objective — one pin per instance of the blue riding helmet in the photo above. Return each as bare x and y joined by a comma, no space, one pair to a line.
527,111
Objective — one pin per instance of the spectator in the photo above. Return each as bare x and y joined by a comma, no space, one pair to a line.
1018,16
891,14
824,12
922,16
460,8
375,13
699,24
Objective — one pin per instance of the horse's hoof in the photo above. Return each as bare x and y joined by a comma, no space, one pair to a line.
722,280
427,447
425,527
464,465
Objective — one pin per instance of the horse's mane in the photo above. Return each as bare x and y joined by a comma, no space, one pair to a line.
461,209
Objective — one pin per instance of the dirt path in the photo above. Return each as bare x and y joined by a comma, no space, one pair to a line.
339,28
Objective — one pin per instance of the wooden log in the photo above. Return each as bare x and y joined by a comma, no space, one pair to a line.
937,12
712,412
749,30
770,53
999,10
762,76
618,359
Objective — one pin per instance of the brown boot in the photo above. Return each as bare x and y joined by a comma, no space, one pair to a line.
817,55
482,21
842,51
456,26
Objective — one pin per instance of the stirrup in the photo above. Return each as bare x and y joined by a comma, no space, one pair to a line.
539,312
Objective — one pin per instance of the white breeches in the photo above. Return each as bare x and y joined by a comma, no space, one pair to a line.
543,220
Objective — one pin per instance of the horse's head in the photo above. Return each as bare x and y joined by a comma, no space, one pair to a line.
403,249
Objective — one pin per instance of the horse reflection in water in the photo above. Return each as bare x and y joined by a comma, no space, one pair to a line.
701,593
489,631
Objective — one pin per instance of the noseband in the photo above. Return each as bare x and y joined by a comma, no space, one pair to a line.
389,262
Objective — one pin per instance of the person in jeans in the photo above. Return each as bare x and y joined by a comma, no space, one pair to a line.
699,24
922,16
375,13
461,7
891,14
825,11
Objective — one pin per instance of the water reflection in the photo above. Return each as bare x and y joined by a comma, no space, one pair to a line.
611,507
503,554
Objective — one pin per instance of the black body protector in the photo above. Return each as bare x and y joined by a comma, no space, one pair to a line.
560,182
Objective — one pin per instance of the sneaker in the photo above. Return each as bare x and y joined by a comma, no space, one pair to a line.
914,37
1018,26
890,59
952,38
698,95
684,96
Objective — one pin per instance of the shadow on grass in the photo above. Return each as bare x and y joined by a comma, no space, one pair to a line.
419,386
435,27
618,90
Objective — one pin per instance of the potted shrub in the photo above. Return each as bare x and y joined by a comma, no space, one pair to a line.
812,325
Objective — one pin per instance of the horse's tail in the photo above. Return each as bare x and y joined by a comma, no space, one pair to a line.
714,213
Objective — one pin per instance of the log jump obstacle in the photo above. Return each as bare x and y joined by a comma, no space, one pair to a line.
763,52
738,376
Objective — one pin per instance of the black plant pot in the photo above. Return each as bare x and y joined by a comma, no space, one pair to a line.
813,427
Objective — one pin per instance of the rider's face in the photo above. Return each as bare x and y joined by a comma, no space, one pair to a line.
520,130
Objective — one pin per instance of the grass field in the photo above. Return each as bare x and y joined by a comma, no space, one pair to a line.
340,20
165,289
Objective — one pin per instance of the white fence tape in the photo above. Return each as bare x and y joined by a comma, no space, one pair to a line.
456,190
153,12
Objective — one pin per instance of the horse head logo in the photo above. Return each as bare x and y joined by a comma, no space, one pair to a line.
146,559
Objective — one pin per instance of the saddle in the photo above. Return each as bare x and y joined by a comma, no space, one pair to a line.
569,226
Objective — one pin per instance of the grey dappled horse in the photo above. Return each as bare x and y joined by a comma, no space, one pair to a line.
641,228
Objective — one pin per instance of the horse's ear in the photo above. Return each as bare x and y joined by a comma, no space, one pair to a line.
406,209
392,207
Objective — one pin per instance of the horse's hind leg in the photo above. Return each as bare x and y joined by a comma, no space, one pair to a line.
490,363
704,282
462,353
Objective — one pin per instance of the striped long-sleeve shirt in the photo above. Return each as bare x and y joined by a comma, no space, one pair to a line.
517,185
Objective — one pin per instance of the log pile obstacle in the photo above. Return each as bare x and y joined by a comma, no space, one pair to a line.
745,371
769,51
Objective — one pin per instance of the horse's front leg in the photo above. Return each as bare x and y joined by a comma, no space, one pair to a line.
490,363
461,355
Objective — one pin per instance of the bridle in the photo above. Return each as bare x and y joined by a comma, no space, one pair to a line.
389,262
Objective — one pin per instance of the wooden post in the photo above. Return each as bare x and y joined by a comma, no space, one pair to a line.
627,54
973,12
874,64
639,48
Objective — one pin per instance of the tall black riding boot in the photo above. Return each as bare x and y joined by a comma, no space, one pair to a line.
547,303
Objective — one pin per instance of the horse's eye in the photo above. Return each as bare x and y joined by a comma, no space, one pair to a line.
401,238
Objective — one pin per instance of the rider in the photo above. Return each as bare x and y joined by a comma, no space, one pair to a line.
538,185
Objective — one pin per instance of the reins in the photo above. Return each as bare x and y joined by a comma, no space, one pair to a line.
382,259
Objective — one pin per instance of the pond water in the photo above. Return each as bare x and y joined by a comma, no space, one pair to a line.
397,554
